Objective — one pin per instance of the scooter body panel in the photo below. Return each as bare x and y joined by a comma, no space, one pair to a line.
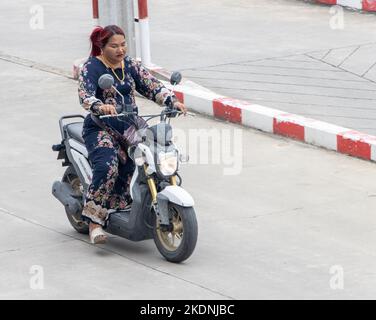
133,225
177,195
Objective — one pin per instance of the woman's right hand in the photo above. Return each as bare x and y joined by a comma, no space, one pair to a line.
107,109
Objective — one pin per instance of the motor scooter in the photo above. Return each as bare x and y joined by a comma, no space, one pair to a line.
160,208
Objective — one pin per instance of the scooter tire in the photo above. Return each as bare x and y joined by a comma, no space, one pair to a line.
189,235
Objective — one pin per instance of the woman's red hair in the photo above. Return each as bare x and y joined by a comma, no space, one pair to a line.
100,36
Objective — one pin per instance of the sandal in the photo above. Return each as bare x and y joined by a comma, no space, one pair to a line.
97,236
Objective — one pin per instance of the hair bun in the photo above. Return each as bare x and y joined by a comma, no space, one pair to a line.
95,34
95,39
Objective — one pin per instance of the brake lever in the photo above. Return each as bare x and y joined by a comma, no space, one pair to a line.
180,113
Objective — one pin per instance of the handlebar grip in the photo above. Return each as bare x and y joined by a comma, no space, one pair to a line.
171,112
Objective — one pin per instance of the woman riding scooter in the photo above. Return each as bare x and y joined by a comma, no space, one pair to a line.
111,168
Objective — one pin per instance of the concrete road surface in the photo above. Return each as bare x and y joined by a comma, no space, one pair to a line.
277,219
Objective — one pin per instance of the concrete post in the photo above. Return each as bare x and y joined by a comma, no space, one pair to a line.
95,12
121,13
143,21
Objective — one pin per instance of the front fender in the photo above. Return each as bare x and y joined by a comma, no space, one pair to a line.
177,195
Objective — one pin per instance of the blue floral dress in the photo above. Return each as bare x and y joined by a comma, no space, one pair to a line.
109,188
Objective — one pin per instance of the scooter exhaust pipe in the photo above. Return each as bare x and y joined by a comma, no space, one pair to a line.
63,192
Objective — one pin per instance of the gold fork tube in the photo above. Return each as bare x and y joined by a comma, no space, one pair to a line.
152,187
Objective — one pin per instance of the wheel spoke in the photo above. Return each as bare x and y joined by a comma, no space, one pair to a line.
171,240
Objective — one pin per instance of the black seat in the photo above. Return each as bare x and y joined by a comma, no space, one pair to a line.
75,131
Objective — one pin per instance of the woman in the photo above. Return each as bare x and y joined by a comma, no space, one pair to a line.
108,189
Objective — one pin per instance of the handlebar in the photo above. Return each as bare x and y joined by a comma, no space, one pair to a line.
166,112
122,114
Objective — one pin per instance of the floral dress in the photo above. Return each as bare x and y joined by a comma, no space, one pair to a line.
109,188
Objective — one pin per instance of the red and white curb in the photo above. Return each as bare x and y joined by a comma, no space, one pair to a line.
318,133
278,122
365,5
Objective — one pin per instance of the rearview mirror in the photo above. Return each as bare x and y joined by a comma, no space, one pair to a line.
175,78
106,81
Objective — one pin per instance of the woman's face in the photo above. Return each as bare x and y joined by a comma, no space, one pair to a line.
115,49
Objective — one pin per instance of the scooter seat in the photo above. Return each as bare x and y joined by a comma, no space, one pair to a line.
74,131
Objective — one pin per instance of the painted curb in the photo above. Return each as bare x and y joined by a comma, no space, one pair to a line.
314,132
365,5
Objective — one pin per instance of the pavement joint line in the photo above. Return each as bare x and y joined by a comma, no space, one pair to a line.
285,75
279,56
34,65
295,93
116,253
291,60
290,68
350,55
32,247
324,56
343,47
353,73
243,61
368,70
286,84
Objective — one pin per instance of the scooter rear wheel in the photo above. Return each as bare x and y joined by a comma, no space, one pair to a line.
178,244
70,176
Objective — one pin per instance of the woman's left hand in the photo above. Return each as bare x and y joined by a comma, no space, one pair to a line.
180,106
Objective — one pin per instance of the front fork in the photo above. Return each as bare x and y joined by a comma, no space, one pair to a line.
154,192
153,188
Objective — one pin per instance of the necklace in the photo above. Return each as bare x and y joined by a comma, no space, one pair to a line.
108,65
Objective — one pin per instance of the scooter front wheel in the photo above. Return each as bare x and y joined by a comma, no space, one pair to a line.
178,243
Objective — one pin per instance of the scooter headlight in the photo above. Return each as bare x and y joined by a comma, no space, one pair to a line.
168,162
